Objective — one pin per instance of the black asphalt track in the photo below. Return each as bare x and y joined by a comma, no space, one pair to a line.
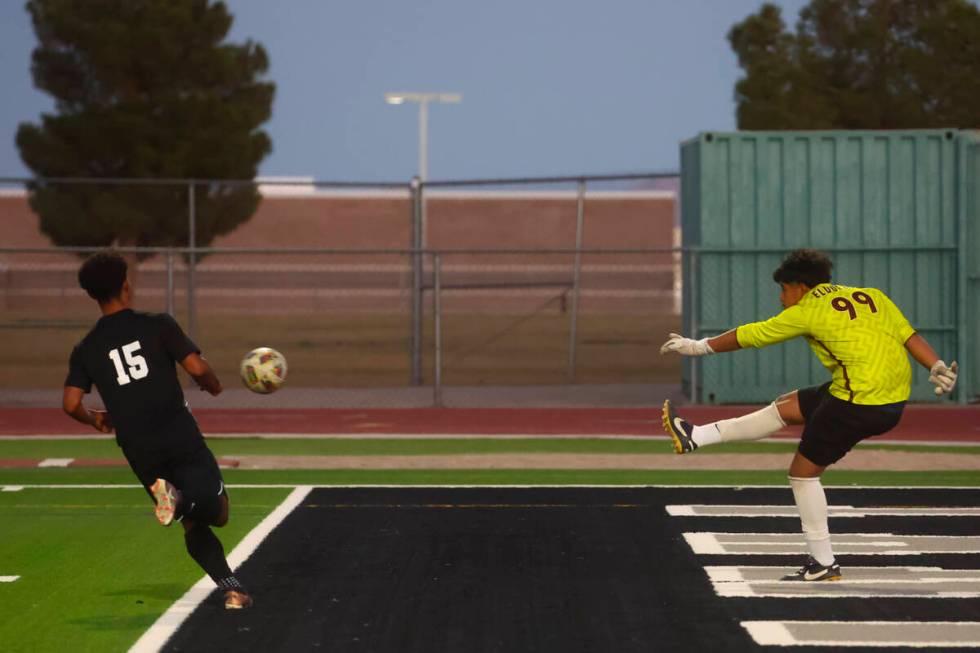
539,569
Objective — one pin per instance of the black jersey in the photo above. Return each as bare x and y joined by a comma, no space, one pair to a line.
131,358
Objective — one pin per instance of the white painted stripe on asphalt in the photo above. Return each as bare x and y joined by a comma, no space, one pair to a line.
704,543
704,510
725,574
56,462
750,573
769,633
844,543
858,582
168,623
8,579
836,590
915,634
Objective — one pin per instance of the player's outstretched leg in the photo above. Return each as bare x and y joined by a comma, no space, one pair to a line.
687,437
167,499
206,549
679,430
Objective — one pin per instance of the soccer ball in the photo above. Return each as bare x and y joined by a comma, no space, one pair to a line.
263,370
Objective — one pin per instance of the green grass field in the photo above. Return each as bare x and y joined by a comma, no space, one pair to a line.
96,570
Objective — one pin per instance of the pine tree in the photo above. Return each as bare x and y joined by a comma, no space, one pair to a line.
143,89
860,64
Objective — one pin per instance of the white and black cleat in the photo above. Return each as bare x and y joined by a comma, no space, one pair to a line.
679,430
813,572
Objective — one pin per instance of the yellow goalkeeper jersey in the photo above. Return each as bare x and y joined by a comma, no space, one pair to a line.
857,333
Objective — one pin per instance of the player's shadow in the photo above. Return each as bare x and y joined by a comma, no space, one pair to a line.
132,622
165,591
137,595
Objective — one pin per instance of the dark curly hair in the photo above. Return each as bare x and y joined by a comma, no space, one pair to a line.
102,276
807,266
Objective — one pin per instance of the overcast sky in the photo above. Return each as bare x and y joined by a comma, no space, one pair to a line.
550,87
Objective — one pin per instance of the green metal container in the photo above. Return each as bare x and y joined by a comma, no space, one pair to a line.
970,260
887,206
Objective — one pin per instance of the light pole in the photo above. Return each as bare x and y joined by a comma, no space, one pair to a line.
423,100
418,213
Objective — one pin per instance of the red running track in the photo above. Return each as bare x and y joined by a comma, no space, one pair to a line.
919,423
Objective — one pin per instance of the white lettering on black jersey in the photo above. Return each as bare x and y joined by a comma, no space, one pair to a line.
136,363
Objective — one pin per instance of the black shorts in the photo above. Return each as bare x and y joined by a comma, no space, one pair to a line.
834,426
194,472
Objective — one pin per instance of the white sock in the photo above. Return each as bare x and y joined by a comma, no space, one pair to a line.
753,426
812,504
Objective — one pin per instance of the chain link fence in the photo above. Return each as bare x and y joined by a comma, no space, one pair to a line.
530,292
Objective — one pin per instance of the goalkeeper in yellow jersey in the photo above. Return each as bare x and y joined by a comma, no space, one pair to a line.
863,339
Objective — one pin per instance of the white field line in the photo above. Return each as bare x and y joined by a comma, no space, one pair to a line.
609,486
839,590
56,462
914,634
168,623
373,436
476,436
704,544
8,579
705,510
858,582
769,633
736,574
845,543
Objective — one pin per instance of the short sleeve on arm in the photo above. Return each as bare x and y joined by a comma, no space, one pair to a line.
77,376
779,328
897,320
175,341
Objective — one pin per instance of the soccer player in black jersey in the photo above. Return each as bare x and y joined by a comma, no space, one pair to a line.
131,358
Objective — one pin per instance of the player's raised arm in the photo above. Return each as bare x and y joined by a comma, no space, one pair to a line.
940,375
788,324
201,371
73,406
677,343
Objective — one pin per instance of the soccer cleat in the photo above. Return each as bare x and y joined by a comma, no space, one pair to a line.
237,600
166,497
679,430
813,571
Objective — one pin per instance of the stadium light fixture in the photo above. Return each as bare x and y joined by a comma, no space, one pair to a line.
423,100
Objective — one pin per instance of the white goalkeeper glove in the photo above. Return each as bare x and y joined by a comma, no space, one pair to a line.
686,346
944,378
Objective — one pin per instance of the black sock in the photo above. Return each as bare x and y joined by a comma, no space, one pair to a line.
207,551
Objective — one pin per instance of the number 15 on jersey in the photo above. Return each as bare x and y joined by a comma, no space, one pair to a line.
136,364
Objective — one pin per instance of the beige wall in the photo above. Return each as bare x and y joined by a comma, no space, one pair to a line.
345,220
511,220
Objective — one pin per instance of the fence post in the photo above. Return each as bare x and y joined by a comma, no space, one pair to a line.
437,318
416,187
170,281
576,278
4,298
192,244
